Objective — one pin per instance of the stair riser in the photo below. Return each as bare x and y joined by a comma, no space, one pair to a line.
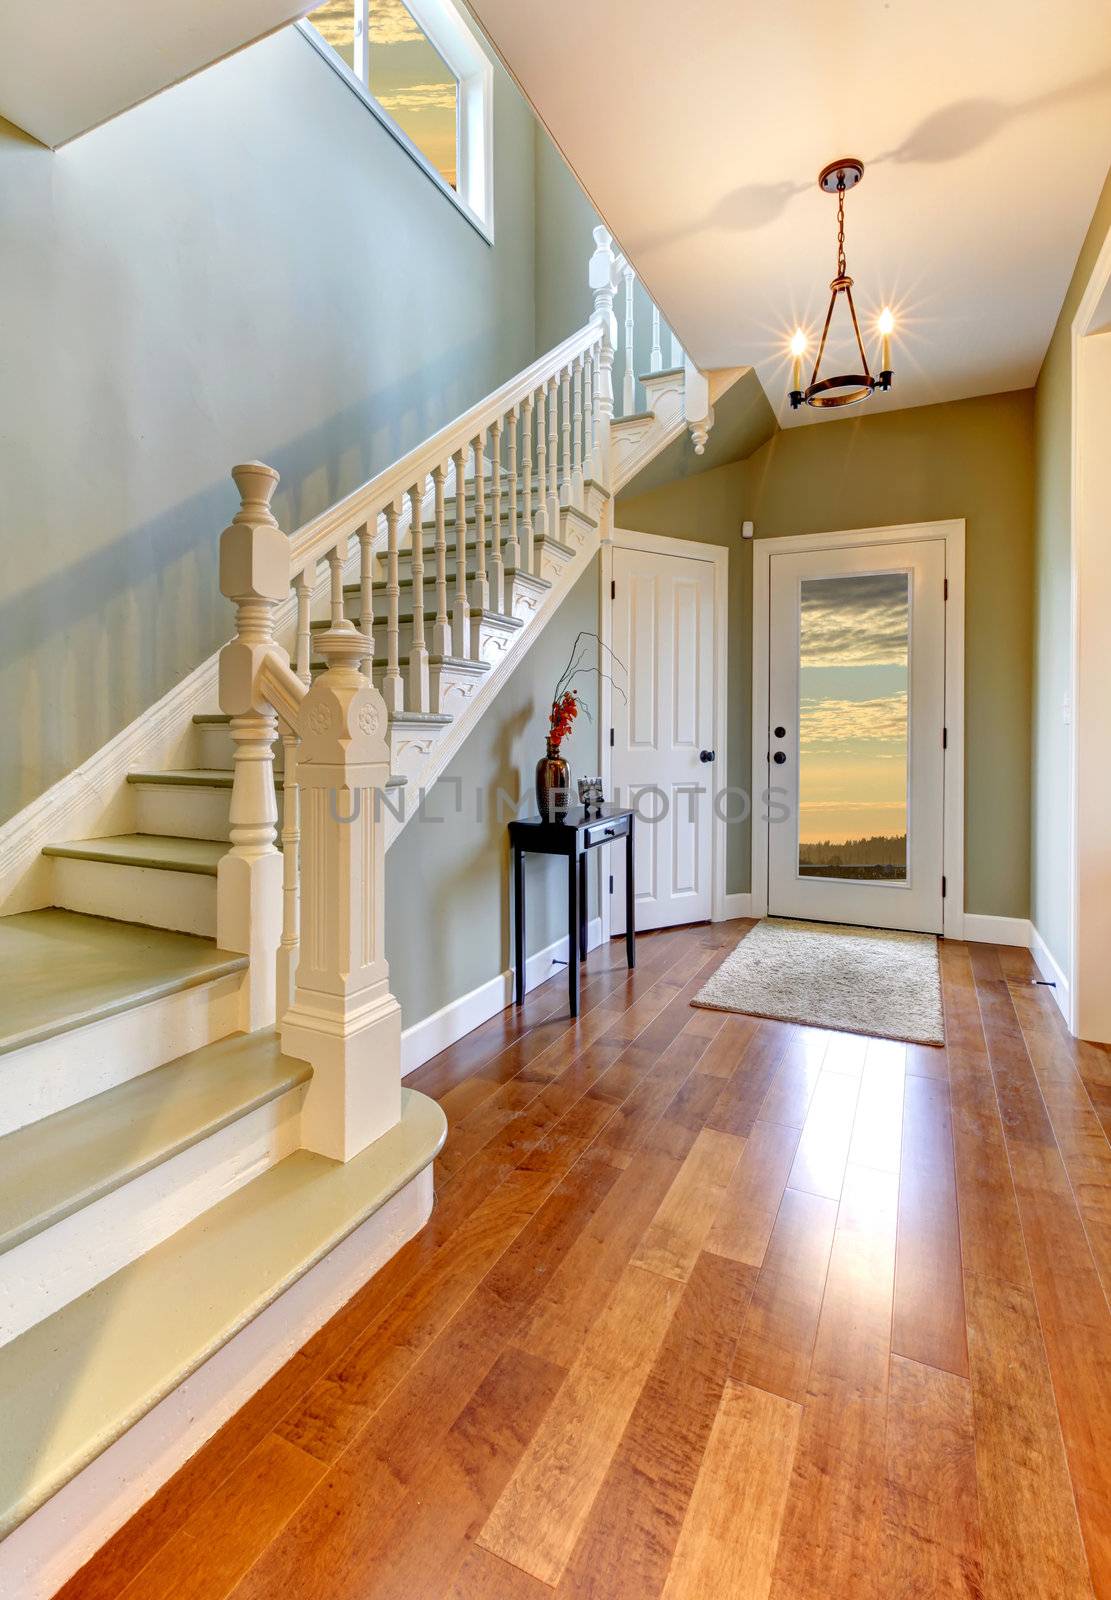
184,811
215,747
84,1062
64,1261
182,901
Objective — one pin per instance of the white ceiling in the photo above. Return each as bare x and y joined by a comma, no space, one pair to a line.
699,131
67,65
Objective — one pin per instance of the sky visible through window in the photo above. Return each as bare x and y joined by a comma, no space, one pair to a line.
854,650
408,77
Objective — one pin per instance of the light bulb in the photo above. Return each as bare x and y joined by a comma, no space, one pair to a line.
798,343
887,321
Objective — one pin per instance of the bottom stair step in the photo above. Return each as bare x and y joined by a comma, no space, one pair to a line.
76,1382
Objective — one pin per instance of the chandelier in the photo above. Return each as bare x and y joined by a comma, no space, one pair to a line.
846,388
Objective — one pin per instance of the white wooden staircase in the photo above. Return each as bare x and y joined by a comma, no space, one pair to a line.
200,1083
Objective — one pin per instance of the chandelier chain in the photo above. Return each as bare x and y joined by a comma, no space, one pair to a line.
841,227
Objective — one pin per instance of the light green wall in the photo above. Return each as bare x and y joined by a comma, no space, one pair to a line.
245,266
565,223
448,927
970,459
1052,623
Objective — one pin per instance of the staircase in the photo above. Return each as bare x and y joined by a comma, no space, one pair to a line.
204,1139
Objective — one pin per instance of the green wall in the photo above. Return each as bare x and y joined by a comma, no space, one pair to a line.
448,926
1052,621
247,265
970,459
565,223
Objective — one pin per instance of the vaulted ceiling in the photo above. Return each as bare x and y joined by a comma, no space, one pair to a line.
699,131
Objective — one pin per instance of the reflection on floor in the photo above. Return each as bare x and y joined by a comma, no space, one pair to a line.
708,1307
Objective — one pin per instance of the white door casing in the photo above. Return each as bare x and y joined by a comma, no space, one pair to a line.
663,627
933,555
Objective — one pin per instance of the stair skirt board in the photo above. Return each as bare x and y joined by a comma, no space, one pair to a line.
40,1079
47,1271
87,1493
182,901
426,1039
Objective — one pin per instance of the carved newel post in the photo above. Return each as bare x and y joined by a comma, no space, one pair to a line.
343,1019
254,573
604,277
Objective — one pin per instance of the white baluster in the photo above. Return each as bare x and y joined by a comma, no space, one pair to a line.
497,565
480,589
676,352
512,543
335,583
302,588
526,487
366,593
393,689
553,457
603,284
629,388
577,436
461,611
588,415
344,1021
254,573
540,520
291,812
418,651
656,356
566,486
441,629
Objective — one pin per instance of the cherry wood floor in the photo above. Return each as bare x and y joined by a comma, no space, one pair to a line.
708,1307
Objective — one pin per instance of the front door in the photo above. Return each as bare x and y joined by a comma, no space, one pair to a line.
663,756
856,763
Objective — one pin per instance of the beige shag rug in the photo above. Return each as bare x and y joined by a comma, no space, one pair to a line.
858,980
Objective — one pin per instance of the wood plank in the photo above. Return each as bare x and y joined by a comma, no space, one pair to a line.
928,1318
746,1215
541,1512
739,1104
777,1339
634,1525
823,1149
792,1089
731,1535
877,1127
932,1518
676,1233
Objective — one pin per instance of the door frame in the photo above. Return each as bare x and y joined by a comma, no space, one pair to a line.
952,534
718,556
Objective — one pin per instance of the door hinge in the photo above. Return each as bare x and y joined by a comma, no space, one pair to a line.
611,883
613,588
611,738
945,738
946,596
943,888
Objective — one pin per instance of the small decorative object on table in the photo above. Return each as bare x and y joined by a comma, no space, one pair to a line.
591,795
553,776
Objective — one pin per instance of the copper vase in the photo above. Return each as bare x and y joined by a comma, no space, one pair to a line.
553,785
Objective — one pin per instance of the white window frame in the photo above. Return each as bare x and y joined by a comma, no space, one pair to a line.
450,35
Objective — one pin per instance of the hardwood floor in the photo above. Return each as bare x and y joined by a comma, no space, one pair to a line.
709,1307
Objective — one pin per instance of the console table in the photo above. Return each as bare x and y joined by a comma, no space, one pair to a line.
573,836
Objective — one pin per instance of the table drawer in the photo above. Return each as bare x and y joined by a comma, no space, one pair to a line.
605,828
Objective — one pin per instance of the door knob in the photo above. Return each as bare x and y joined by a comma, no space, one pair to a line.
779,758
780,733
706,755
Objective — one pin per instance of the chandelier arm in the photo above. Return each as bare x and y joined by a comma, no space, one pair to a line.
825,334
856,330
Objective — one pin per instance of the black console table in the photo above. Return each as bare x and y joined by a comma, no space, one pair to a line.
573,836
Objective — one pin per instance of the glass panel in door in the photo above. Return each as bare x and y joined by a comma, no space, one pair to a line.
854,650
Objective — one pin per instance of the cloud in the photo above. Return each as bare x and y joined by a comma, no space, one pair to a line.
416,97
390,23
856,621
828,724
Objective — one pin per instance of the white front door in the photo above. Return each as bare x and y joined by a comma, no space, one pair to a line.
663,632
856,711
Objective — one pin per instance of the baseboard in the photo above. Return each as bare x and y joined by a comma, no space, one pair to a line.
1052,969
435,1033
997,930
733,905
58,1538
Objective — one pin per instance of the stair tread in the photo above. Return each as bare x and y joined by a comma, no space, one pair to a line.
221,777
76,1381
164,851
65,969
57,1165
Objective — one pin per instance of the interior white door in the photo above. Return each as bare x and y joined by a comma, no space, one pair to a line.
663,755
856,713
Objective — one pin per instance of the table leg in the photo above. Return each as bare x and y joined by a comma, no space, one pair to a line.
582,906
630,900
519,922
572,933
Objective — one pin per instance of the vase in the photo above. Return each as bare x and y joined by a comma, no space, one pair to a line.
553,785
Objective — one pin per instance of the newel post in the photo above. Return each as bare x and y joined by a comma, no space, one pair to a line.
254,573
343,1019
603,283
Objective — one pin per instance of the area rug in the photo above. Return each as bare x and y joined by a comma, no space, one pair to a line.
858,980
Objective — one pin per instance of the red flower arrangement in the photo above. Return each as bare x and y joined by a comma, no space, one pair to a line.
564,712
